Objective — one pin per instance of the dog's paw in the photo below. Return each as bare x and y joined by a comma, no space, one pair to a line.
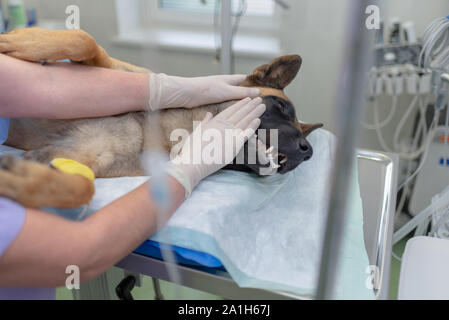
38,45
31,44
21,44
7,163
36,185
14,166
11,178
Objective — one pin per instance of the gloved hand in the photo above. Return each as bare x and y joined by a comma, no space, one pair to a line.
168,92
230,130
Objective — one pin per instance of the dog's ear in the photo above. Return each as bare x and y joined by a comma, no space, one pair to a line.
307,129
278,74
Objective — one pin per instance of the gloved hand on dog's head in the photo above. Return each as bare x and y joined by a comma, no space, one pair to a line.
167,92
229,131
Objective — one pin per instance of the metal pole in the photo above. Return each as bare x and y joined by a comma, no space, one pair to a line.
349,106
226,36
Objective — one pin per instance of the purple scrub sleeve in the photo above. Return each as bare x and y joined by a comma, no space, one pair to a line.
12,219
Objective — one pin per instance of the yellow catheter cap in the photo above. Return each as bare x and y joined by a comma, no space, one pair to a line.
73,167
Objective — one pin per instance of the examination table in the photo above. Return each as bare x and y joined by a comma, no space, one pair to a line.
378,183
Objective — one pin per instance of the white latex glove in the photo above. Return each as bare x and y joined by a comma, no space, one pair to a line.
230,129
168,92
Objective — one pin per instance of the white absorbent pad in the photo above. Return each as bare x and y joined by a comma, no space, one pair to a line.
267,231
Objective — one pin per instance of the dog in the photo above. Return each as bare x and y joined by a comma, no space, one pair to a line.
112,146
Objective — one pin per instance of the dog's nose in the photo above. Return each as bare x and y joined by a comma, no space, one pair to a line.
305,149
304,146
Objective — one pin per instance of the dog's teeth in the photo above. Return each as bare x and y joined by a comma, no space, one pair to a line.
283,161
274,165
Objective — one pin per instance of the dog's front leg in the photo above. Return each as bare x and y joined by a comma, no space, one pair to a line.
34,185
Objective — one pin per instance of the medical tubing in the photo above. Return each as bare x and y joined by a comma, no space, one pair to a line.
434,45
417,153
440,41
387,120
379,134
431,135
403,120
416,171
421,130
83,213
438,207
410,156
427,32
396,147
396,256
405,193
435,39
160,194
446,133
159,185
402,202
422,121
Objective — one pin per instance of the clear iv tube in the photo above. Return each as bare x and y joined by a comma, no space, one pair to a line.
155,161
414,154
446,134
403,121
421,131
430,137
382,141
387,120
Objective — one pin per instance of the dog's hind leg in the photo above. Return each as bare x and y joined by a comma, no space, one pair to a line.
35,185
46,154
96,161
104,163
38,45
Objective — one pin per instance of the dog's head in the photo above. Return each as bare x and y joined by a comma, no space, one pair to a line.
271,79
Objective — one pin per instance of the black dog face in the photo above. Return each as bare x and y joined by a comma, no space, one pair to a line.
292,146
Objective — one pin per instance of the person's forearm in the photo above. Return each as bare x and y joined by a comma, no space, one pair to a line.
123,226
48,244
68,91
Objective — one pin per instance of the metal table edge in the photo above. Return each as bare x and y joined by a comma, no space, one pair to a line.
385,236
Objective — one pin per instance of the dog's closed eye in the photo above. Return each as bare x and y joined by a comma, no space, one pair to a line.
286,110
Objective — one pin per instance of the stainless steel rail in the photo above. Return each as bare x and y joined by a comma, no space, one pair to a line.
349,107
379,245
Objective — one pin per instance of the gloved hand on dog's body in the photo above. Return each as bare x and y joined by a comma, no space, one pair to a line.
169,92
230,130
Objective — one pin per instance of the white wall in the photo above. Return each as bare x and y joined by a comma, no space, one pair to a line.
312,28
97,17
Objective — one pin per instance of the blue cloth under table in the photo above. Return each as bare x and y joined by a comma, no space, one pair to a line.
183,256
